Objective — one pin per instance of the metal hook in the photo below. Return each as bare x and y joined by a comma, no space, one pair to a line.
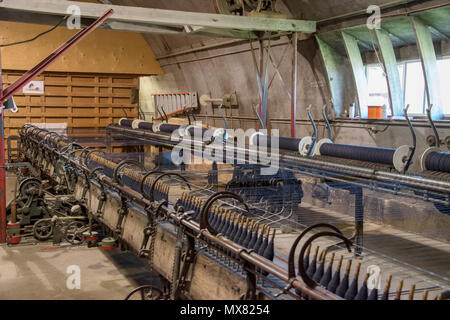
259,117
163,114
413,133
124,111
204,221
330,129
436,134
291,264
315,131
192,114
187,114
301,267
225,122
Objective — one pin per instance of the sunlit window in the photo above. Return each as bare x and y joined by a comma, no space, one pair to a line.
378,90
413,86
444,77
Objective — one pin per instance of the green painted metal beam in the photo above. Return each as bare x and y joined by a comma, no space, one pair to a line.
391,69
429,65
334,65
158,17
354,55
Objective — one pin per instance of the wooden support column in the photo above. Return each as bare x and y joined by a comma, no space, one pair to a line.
392,75
334,63
429,65
354,54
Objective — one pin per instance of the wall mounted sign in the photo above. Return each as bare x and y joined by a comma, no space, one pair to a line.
34,87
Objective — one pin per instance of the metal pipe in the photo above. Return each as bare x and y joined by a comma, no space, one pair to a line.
294,86
217,55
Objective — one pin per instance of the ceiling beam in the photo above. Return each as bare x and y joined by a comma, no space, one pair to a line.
159,17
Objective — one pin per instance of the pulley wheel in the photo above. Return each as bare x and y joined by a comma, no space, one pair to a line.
305,145
43,229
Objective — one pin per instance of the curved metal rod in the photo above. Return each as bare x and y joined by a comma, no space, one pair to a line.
259,117
93,172
413,133
142,288
122,164
330,129
192,114
224,120
85,159
186,113
204,222
301,268
291,265
433,126
152,189
163,114
311,149
142,183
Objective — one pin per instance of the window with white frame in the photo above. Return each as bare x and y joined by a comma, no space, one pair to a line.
413,85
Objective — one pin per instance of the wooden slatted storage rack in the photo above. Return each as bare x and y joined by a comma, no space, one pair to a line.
87,103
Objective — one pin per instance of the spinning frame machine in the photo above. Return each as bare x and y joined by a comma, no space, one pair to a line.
240,234
221,231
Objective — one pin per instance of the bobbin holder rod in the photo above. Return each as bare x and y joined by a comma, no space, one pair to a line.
311,149
433,126
330,129
259,117
192,226
414,137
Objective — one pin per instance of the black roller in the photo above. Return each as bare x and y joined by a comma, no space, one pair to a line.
168,128
285,143
196,131
438,161
146,126
368,154
126,123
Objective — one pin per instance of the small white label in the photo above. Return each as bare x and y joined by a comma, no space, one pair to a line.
34,87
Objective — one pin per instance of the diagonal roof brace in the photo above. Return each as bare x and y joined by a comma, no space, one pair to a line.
44,64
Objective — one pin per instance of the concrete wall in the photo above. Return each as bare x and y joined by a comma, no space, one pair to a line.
219,71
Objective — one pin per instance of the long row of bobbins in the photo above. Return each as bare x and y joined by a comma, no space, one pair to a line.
181,130
305,146
242,230
346,282
395,158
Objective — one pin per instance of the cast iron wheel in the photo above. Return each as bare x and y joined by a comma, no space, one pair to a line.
146,293
30,186
74,232
43,229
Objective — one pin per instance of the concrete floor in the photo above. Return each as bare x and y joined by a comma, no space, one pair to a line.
41,271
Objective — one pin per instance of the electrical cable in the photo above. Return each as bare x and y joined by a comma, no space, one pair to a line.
35,38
